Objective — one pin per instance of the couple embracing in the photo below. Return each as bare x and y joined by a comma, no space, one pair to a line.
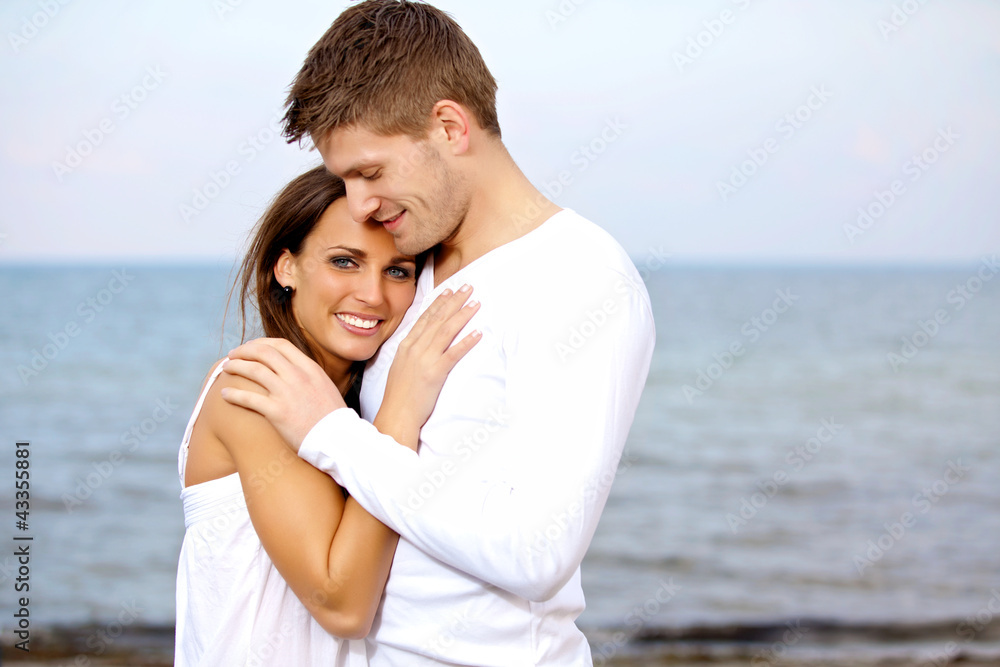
409,469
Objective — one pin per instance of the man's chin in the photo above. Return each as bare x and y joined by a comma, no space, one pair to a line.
409,246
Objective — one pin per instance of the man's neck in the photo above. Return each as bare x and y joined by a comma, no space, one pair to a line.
505,206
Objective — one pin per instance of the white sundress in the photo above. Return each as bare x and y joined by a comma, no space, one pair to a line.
233,608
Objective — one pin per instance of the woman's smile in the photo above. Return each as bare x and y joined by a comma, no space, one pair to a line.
360,324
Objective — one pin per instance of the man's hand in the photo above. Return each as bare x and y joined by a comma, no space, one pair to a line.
298,392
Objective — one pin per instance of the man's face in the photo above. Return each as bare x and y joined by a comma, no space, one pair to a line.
402,183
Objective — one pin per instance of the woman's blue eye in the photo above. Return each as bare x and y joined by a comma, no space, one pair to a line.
398,272
343,262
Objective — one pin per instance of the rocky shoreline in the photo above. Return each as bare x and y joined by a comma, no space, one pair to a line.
833,646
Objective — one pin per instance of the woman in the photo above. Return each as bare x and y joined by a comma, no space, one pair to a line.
276,563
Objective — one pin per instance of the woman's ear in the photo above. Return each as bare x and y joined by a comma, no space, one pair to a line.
284,269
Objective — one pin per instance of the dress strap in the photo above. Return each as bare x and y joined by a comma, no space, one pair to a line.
183,453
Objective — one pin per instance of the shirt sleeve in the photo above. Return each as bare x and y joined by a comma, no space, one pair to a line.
520,511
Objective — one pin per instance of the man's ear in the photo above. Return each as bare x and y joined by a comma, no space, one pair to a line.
284,269
452,123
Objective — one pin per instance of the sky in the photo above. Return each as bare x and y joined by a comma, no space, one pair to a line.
731,131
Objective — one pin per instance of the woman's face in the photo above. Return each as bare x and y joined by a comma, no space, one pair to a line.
351,287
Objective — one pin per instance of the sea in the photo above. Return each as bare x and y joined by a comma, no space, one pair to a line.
813,473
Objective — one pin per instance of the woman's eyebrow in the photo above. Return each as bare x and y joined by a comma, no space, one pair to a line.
354,251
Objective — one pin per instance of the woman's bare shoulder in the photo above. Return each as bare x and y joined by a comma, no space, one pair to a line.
230,423
256,448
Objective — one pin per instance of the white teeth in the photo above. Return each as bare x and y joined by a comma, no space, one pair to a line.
357,321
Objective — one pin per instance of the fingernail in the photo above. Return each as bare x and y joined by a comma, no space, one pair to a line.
472,304
477,334
465,288
447,292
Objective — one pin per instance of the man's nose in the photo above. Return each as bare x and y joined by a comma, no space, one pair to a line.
360,201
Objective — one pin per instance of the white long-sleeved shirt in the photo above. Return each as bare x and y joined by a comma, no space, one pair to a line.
516,462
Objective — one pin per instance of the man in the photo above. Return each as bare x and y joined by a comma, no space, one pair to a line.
496,511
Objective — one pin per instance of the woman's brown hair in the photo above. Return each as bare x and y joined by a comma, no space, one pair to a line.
285,225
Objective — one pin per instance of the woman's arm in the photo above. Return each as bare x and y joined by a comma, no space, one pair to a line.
333,554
